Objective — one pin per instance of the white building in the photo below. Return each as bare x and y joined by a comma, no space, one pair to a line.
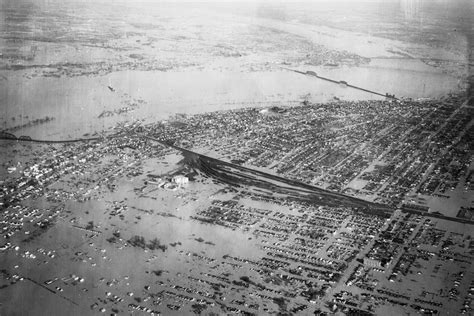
180,180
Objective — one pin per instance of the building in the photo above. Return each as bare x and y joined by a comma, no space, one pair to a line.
180,180
372,262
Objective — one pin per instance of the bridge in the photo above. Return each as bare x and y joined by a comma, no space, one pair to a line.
313,74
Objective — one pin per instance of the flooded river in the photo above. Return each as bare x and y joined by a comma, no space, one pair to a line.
76,104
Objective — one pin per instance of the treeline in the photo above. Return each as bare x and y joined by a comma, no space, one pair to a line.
154,244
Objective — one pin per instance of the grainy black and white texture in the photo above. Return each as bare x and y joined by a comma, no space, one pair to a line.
236,157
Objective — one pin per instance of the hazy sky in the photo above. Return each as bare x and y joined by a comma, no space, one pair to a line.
219,1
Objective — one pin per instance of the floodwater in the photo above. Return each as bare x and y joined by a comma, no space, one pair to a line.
87,104
217,57
76,103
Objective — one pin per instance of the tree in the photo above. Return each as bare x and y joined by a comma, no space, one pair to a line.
90,225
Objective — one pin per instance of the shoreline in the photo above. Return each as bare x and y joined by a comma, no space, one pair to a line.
160,95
